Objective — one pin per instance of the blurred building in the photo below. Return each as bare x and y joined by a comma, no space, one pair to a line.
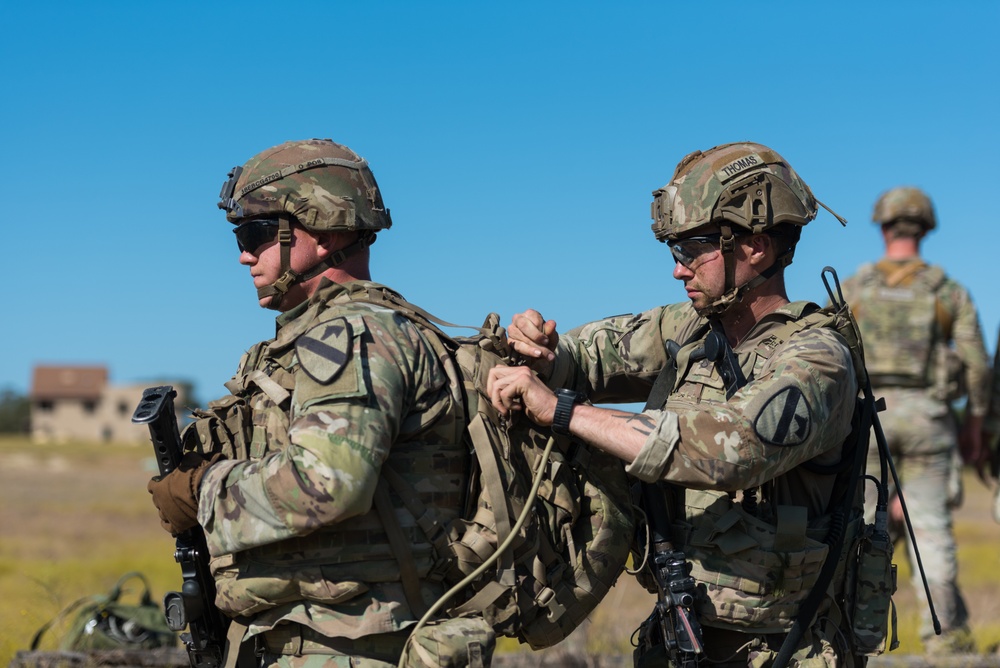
76,403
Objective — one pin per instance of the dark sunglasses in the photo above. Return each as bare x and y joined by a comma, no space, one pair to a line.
253,234
688,250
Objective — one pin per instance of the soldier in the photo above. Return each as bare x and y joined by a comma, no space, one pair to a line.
737,444
923,346
315,561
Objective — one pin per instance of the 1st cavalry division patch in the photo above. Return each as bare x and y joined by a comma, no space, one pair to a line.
324,350
785,419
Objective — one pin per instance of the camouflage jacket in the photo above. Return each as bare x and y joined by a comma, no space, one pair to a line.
921,329
796,406
344,389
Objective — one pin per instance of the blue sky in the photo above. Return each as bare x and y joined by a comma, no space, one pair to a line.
517,145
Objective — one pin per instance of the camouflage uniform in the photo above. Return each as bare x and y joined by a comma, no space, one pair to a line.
298,548
916,324
796,407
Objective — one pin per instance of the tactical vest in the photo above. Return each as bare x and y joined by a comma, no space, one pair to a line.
904,325
758,559
335,563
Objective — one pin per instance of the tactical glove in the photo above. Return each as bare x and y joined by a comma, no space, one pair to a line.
175,495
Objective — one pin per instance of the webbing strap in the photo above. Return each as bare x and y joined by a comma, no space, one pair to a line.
268,386
493,484
484,598
359,164
897,275
425,518
400,548
234,638
664,383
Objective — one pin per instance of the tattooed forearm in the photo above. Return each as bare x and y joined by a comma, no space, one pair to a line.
643,424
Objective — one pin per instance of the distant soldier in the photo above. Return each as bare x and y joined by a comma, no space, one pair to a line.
924,350
314,559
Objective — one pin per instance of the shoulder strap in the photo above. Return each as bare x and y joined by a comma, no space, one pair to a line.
894,275
664,383
494,336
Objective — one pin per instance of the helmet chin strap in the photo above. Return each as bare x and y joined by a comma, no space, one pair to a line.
277,290
734,295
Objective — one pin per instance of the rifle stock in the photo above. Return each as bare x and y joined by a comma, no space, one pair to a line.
194,606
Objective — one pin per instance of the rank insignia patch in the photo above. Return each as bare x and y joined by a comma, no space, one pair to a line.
324,350
785,419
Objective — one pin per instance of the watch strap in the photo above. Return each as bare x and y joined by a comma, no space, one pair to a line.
565,400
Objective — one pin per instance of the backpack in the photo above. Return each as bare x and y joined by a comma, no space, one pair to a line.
574,540
104,622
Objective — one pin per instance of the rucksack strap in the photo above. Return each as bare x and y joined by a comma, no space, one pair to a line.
664,383
400,548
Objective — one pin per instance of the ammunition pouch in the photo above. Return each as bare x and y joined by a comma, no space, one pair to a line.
757,574
223,426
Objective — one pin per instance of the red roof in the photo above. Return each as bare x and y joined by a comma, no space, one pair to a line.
68,382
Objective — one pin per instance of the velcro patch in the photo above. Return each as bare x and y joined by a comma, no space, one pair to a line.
739,166
323,351
785,419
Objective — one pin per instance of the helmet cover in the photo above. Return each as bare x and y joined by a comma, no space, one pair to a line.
323,185
745,184
907,203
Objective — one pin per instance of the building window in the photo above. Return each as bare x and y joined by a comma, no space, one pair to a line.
89,407
45,406
122,408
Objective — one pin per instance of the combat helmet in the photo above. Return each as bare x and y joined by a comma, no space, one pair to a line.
741,188
905,203
317,183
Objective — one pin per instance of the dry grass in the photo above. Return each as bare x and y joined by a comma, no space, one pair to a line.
73,518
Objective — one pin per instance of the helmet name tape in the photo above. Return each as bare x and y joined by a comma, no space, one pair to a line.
738,166
301,167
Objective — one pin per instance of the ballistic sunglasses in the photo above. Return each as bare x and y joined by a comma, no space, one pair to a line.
253,234
692,251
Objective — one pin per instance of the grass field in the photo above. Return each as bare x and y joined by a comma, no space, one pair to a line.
73,518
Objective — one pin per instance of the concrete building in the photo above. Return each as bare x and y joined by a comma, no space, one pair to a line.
76,403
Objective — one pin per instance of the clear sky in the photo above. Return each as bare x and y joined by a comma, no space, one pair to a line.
517,145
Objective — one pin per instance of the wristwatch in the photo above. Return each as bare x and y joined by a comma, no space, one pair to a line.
565,400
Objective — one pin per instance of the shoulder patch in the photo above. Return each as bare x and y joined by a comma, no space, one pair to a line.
323,351
785,419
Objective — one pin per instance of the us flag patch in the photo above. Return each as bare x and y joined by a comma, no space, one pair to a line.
785,419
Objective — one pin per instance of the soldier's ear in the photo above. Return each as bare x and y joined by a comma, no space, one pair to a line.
330,242
760,247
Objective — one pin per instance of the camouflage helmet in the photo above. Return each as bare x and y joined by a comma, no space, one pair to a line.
317,184
906,203
322,185
747,185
